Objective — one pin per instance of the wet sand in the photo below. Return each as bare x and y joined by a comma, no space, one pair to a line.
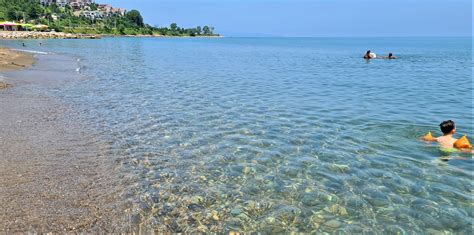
13,60
55,176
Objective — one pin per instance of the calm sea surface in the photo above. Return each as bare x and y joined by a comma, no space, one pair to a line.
280,135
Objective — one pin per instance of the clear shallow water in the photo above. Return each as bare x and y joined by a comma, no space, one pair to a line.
280,135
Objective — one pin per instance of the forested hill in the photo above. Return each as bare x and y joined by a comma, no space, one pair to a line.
90,19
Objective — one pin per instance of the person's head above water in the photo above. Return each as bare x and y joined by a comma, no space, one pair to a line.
448,127
390,54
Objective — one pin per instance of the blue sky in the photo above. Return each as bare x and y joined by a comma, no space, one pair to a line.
312,18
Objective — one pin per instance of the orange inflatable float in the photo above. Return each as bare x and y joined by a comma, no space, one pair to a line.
429,137
462,143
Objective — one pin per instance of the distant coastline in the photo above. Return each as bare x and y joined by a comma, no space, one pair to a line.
84,17
60,35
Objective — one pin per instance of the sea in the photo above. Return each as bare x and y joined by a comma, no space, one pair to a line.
278,135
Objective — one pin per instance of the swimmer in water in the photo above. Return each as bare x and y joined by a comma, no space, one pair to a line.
367,55
447,140
24,45
390,56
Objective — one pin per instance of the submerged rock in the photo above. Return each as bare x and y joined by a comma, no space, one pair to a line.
394,229
236,211
333,224
310,199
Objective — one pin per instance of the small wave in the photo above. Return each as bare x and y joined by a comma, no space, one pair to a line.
32,51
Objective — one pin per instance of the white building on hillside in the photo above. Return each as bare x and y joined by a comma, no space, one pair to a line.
72,3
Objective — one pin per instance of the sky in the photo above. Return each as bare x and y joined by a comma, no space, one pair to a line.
311,18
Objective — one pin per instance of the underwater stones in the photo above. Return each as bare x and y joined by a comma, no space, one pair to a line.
397,199
335,187
355,202
327,197
197,199
426,206
256,209
272,229
166,209
145,207
403,215
195,207
336,209
310,199
155,196
288,171
236,211
135,219
215,215
265,161
394,229
246,170
316,220
251,189
453,218
237,168
376,198
332,224
353,229
339,168
287,215
431,222
419,191
431,231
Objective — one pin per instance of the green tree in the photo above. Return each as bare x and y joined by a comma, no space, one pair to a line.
174,27
93,7
206,30
34,11
135,18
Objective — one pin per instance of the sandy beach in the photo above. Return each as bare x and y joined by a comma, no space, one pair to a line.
54,176
13,60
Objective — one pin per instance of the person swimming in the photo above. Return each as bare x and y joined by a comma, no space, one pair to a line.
390,56
369,55
447,140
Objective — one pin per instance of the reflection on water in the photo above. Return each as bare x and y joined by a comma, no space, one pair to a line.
281,135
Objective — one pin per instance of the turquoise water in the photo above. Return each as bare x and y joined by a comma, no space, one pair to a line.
280,135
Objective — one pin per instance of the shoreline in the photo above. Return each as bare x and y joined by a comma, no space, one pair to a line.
18,35
44,35
56,176
11,60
